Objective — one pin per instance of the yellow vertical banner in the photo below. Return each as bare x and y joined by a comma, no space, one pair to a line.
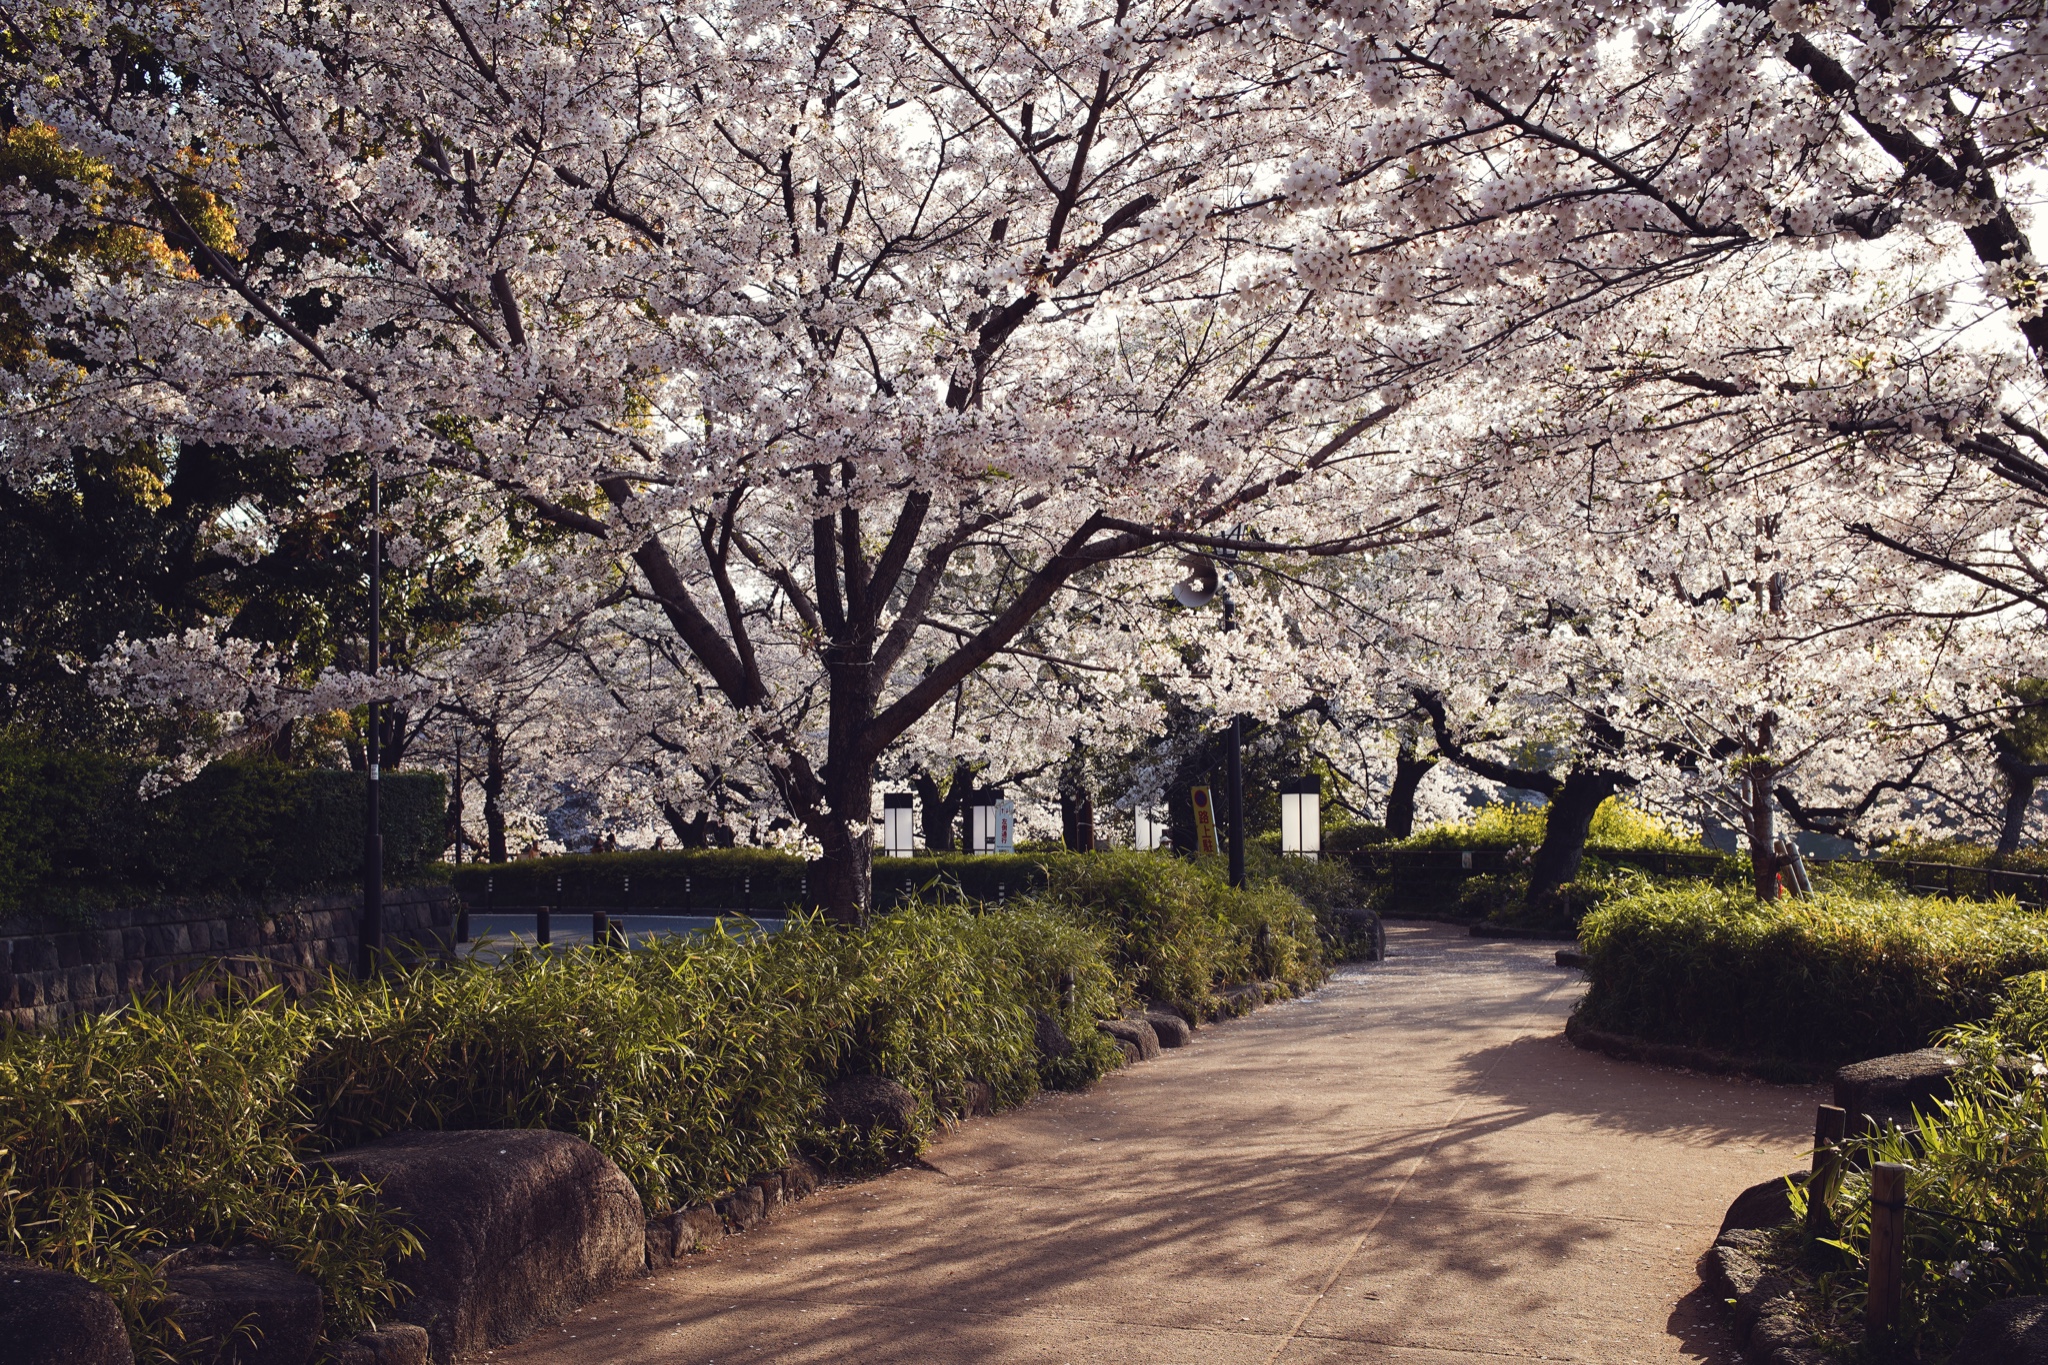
1205,822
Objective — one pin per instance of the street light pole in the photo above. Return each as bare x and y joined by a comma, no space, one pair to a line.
1235,775
372,940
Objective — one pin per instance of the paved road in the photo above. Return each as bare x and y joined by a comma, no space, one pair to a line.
1410,1166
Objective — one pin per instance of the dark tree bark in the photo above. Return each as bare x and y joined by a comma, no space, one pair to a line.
1573,798
1409,770
698,830
939,811
2021,778
494,790
1077,821
1568,824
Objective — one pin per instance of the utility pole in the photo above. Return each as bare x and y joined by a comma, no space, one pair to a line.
1235,774
371,943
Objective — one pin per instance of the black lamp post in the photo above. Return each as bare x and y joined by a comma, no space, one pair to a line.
1204,583
1235,774
372,938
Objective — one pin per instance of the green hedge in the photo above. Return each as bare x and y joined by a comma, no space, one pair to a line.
693,1064
1177,928
1842,976
73,828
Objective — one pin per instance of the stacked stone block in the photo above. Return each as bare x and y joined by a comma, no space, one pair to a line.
53,970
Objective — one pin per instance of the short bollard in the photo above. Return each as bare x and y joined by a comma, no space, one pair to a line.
600,929
1830,1125
1887,1252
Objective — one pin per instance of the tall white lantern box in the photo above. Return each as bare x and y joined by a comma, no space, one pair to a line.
984,814
899,837
1148,828
1301,816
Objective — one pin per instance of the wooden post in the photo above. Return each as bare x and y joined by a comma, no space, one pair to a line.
1887,1252
1830,1125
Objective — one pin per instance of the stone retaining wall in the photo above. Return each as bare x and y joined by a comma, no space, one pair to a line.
53,970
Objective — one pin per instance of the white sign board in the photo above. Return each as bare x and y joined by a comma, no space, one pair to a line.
1006,826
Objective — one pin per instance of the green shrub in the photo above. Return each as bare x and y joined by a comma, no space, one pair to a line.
1323,884
1177,929
1617,827
1492,895
1822,981
1976,1187
743,879
178,1121
693,1064
73,829
678,879
1340,839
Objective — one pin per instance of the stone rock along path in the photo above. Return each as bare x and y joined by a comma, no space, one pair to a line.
1411,1166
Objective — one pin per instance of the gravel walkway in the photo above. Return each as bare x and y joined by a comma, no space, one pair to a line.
1411,1165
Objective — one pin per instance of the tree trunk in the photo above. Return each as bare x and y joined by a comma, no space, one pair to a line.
1408,774
2019,798
2018,801
845,889
494,789
1760,823
939,812
1077,821
1566,826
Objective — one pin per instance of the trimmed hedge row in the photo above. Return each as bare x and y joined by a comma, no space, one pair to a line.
73,826
749,879
1175,928
1831,979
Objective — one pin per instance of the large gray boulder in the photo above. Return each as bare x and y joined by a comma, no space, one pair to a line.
2010,1332
1136,1034
1050,1037
1764,1205
869,1102
1888,1089
1170,1029
241,1306
519,1226
398,1343
50,1318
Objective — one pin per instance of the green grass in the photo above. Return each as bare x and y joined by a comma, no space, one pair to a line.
1844,975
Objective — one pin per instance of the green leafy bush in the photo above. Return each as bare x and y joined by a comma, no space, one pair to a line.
73,828
1825,980
673,879
1341,839
179,1122
693,1064
1617,826
1177,929
1976,1188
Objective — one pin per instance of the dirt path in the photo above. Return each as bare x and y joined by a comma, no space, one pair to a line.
1410,1166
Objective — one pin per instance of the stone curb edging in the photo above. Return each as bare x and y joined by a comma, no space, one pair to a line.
1517,931
673,1236
1765,1302
1627,1049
